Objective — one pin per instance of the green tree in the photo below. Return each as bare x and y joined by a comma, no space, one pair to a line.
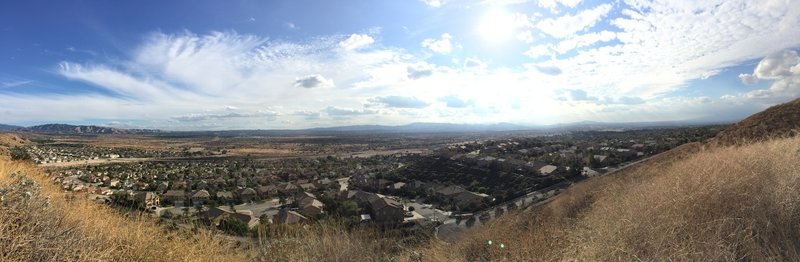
20,154
234,226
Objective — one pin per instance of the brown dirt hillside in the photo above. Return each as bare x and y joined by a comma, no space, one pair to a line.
8,141
691,204
777,121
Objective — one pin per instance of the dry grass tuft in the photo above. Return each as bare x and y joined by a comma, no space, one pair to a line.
731,203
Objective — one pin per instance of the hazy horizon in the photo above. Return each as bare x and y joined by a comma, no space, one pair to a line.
203,65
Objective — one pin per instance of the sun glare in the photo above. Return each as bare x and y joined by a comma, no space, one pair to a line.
496,26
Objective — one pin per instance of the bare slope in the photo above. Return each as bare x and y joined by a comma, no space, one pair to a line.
777,121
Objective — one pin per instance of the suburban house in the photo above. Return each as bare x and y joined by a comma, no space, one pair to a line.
215,216
469,200
147,200
347,195
547,170
600,158
246,216
324,183
308,187
387,211
416,187
285,216
267,191
589,172
308,205
396,187
247,194
200,197
287,189
225,197
176,197
449,192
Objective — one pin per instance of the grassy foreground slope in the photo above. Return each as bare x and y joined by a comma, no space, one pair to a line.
38,223
693,203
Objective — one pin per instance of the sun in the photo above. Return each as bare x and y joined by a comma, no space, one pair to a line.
496,26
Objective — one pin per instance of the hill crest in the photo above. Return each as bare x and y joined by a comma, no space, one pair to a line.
777,121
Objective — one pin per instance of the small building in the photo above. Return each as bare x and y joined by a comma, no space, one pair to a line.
267,191
286,216
200,197
308,187
600,158
225,197
247,194
146,200
176,197
469,200
548,170
387,211
589,172
287,189
449,191
311,208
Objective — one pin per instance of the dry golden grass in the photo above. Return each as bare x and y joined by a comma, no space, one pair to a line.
328,241
734,203
37,223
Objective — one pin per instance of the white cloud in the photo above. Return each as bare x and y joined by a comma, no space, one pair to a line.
419,70
783,69
267,115
339,111
456,102
441,45
525,37
748,79
313,81
400,101
588,39
553,4
661,46
356,41
433,3
538,51
568,25
15,83
474,63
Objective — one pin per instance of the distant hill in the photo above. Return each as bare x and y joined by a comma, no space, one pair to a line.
82,129
777,121
4,127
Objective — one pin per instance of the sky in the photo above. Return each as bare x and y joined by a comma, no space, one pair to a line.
241,64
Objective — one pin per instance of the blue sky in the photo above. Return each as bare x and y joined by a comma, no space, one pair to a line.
191,65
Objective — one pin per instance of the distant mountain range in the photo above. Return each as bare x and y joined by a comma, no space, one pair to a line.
73,129
9,127
409,128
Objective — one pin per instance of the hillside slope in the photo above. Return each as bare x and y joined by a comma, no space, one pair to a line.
777,121
37,223
693,203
